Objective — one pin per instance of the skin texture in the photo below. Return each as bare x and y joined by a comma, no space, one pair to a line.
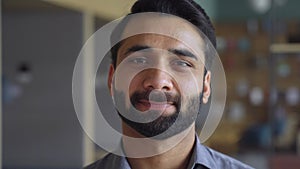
156,67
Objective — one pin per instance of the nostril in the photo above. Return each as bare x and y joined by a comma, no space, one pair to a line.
158,84
166,88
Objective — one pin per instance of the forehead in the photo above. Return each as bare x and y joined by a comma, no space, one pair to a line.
154,41
163,30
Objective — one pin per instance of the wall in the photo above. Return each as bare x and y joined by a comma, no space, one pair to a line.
40,127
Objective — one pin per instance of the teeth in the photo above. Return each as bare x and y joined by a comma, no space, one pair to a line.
158,103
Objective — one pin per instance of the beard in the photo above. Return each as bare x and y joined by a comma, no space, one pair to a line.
161,127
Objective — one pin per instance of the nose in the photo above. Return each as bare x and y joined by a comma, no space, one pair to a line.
157,79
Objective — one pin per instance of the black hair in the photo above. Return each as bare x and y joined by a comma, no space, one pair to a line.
186,9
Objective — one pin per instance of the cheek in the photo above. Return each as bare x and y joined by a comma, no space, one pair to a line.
189,85
135,84
190,96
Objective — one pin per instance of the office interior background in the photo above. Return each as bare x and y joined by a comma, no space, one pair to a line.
258,43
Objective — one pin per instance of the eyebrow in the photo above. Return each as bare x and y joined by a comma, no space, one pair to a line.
183,52
178,52
136,48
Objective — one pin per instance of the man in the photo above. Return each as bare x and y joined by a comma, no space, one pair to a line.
158,79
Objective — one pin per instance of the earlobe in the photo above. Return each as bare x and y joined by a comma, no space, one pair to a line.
206,87
110,78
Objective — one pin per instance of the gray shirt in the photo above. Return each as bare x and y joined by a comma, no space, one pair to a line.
202,158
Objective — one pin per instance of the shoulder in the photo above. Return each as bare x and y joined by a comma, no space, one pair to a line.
224,161
107,162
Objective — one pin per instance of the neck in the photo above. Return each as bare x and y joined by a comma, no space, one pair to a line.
171,153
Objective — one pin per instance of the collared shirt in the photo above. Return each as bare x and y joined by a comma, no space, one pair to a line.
202,158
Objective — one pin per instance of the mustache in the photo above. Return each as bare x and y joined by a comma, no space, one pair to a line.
154,95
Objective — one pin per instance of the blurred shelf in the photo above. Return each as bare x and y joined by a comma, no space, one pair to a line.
285,48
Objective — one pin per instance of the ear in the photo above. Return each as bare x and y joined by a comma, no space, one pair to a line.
110,78
206,87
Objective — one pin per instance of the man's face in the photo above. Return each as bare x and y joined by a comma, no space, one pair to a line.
158,81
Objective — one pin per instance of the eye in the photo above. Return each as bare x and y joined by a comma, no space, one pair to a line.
182,63
138,60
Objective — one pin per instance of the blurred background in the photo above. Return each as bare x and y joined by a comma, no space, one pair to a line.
258,43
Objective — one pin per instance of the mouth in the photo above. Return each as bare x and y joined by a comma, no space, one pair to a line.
163,107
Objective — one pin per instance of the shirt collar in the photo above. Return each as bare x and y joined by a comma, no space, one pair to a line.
124,163
201,156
